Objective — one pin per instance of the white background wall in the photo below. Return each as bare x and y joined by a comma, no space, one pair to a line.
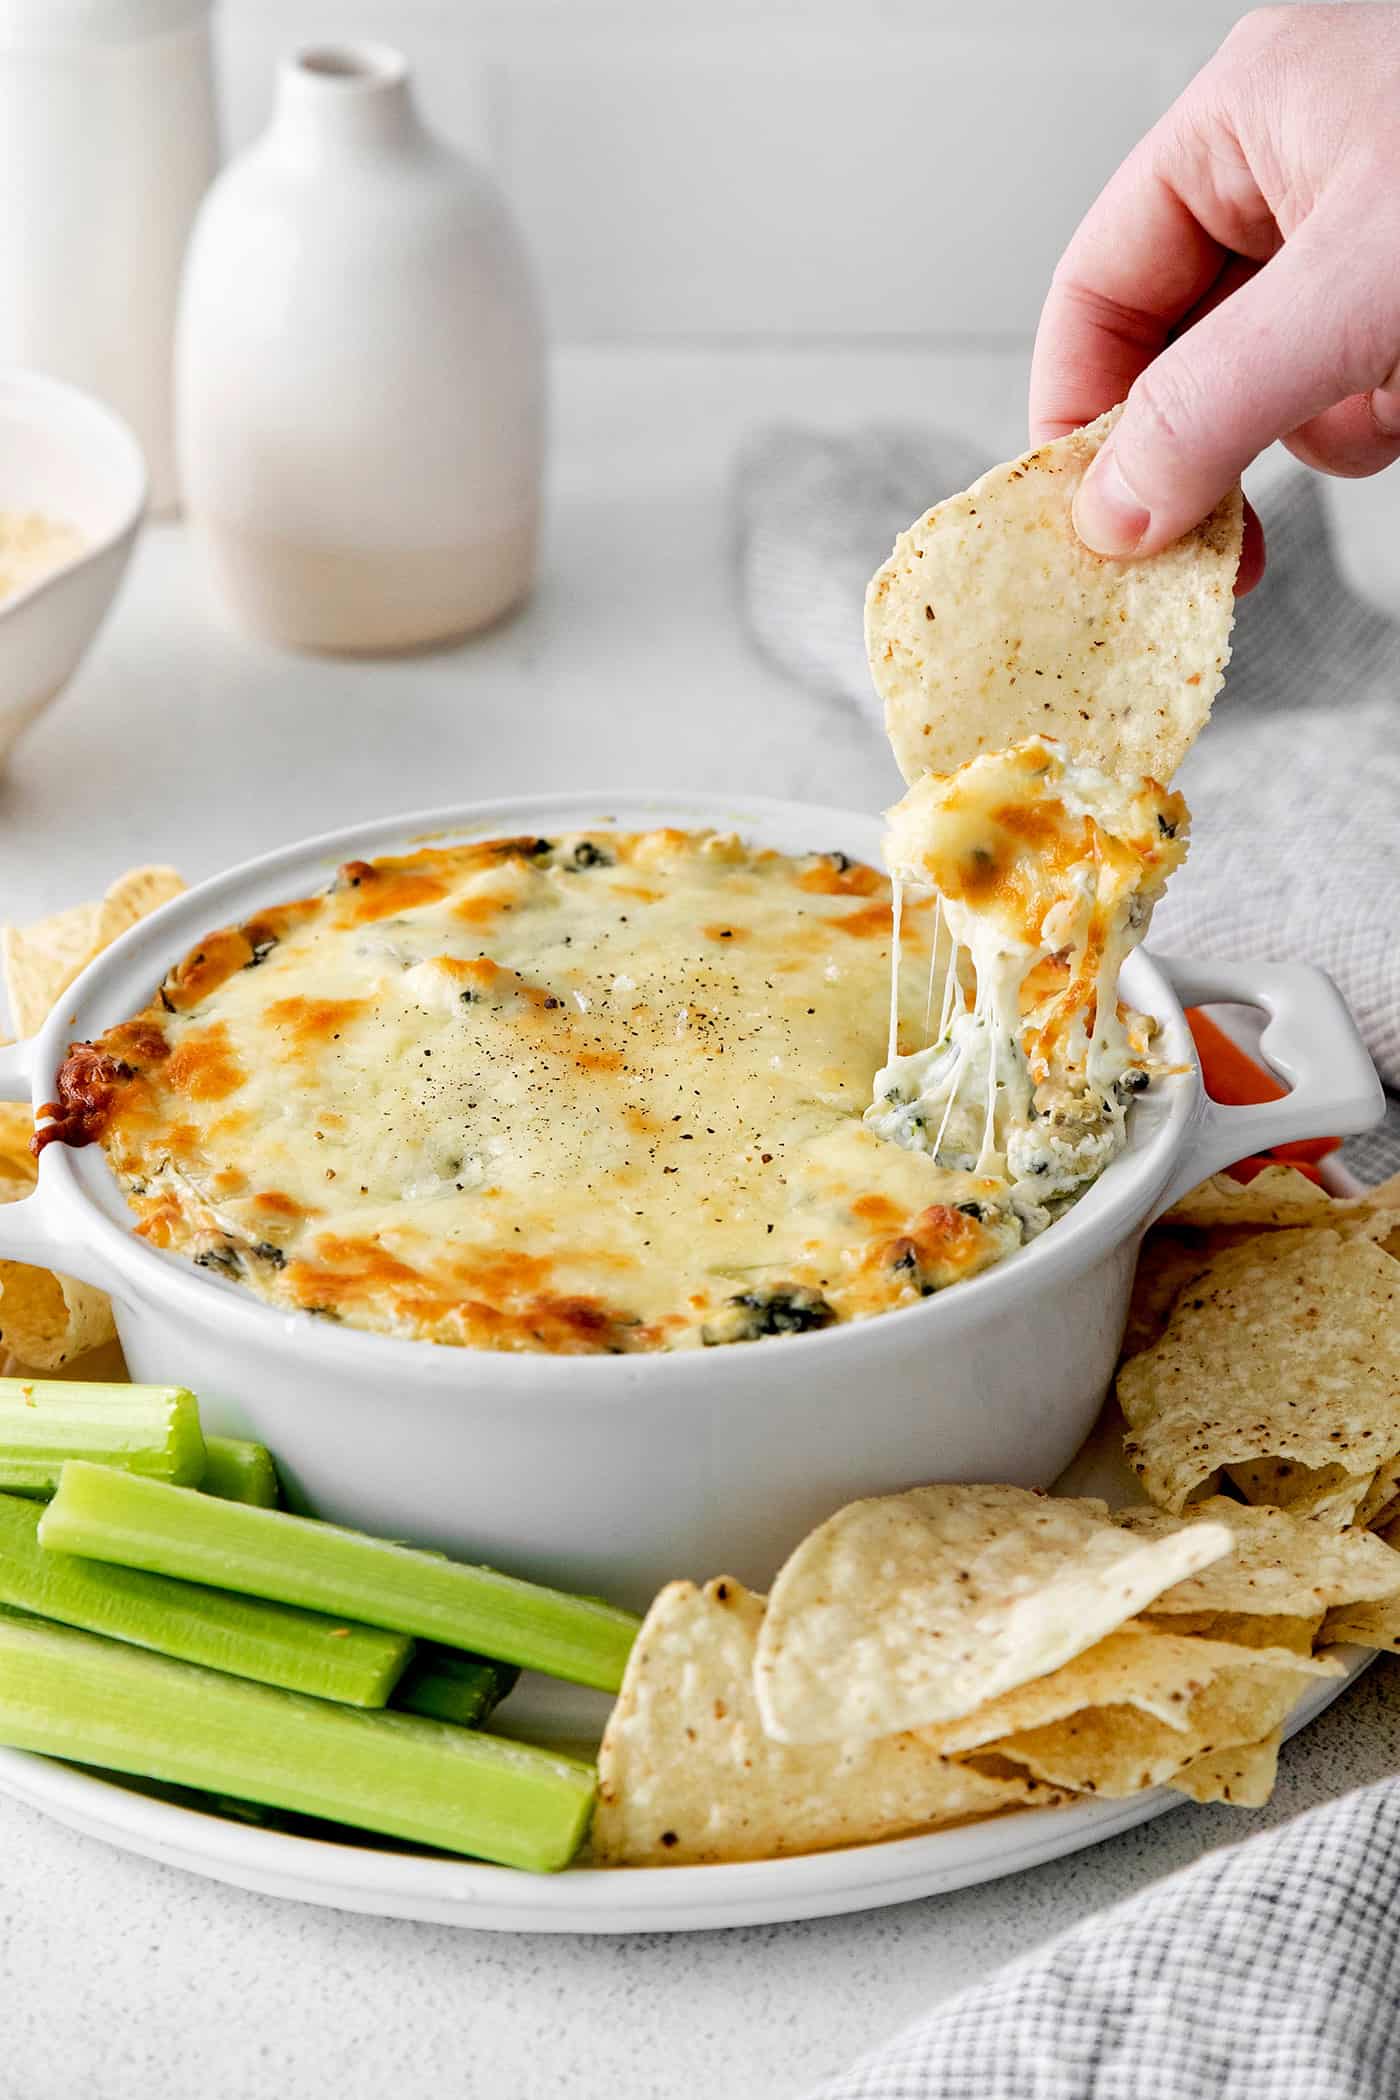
763,169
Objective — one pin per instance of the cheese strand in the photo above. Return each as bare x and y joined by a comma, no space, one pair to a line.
951,985
896,918
987,1161
933,965
954,1087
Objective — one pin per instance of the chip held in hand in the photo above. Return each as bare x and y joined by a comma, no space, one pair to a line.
992,621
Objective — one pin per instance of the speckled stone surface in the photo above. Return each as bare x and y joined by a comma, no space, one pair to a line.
122,1980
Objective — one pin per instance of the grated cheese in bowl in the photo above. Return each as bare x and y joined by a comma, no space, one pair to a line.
33,546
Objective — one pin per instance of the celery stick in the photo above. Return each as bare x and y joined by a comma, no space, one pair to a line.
74,1695
258,1815
150,1429
275,1643
106,1515
452,1686
239,1471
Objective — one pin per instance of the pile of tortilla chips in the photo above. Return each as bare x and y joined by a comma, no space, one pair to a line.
50,1322
956,1651
1263,1352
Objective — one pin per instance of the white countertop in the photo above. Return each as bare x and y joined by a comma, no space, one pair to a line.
182,741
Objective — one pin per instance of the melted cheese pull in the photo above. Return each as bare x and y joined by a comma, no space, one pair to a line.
1045,873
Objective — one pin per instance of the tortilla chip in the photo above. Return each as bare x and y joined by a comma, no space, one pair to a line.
1243,1775
17,1162
686,1775
1380,1500
1278,1197
992,621
1167,1261
1178,1248
1135,1710
1370,1625
1366,1625
42,960
1328,1495
135,896
1281,1564
46,1319
1383,1197
15,1184
911,1609
1296,1631
1221,1213
1155,1673
1285,1349
104,1365
1387,1528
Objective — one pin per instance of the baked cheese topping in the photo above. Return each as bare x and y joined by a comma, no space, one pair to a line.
1045,874
589,1093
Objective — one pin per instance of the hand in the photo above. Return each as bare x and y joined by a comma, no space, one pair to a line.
1238,281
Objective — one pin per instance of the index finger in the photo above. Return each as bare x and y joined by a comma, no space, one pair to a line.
1138,264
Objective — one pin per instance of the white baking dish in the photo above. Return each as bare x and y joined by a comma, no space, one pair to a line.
613,1473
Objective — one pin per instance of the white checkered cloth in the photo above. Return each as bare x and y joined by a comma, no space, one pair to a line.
1295,786
1269,1970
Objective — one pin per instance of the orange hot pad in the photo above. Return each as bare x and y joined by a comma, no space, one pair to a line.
1236,1079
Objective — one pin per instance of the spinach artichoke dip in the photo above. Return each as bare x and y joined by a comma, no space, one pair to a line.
611,1092
1045,874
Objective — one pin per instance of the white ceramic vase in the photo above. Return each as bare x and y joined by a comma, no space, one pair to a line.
107,143
359,373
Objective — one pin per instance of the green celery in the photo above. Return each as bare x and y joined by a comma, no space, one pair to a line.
237,1470
151,1429
98,1702
106,1515
453,1687
275,1643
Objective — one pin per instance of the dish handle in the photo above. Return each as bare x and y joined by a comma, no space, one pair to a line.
30,1231
1310,1040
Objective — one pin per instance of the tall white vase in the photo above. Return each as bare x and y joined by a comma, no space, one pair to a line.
359,373
107,144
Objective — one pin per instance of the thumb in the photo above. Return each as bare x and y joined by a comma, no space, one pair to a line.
1293,341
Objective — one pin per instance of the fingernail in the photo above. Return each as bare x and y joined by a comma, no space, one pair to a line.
1385,408
1108,515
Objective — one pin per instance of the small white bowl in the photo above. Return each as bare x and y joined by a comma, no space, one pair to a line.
66,456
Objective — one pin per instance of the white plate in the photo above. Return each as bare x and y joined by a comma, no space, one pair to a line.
388,1882
585,1899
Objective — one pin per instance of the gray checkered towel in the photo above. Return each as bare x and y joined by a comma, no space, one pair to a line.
1295,786
1268,1971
